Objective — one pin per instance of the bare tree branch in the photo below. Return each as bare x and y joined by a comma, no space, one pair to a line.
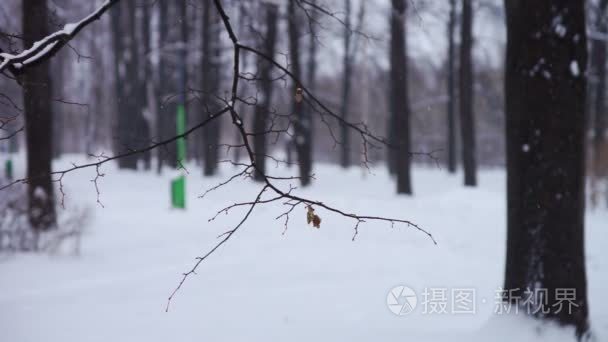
291,201
47,47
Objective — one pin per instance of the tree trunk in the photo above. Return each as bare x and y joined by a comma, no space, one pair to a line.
131,117
311,74
245,23
597,75
210,79
303,123
161,79
182,84
98,120
144,76
400,142
59,124
346,85
545,105
38,119
262,110
117,47
467,121
126,81
451,105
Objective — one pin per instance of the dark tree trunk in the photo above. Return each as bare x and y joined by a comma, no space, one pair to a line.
467,121
210,79
182,84
346,85
262,110
303,123
598,75
311,78
161,79
400,106
545,104
131,116
145,70
98,120
451,105
127,81
38,119
245,24
117,47
60,124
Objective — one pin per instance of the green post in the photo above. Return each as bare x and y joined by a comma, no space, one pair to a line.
178,192
178,185
8,164
8,169
181,129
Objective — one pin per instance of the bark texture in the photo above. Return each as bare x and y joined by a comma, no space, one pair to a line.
262,110
545,110
303,122
400,125
38,120
467,120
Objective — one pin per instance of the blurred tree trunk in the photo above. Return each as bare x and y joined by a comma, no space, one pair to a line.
311,75
400,107
244,28
467,121
98,118
182,84
210,80
144,76
160,88
545,155
126,81
263,108
38,119
117,47
131,88
346,86
60,68
451,105
303,123
597,87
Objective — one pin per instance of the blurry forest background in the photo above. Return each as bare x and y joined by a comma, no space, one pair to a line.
87,111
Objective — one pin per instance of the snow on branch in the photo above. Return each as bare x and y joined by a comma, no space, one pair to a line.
49,45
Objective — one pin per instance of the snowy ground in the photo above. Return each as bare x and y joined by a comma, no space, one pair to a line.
308,285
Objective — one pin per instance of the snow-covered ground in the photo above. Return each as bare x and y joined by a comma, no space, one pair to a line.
307,285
